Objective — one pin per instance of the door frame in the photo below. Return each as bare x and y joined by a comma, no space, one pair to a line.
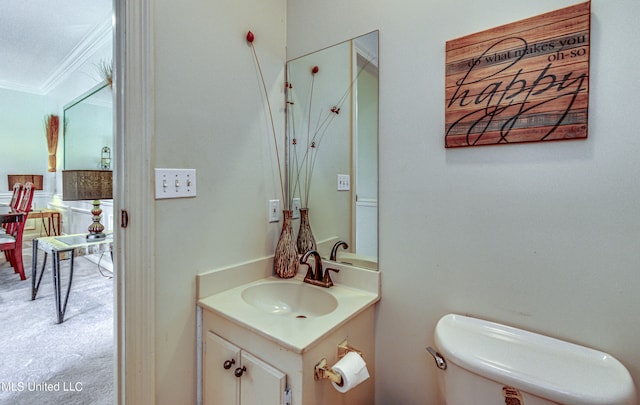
134,298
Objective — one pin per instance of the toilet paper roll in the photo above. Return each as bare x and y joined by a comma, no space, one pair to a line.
353,370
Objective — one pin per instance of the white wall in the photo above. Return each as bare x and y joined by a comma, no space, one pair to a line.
78,82
539,236
23,142
22,114
211,116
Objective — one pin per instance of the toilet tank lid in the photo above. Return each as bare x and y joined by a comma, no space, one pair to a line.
547,367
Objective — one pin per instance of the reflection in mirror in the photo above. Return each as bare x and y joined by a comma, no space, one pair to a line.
88,130
332,146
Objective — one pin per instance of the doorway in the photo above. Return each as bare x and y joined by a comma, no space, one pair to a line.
48,98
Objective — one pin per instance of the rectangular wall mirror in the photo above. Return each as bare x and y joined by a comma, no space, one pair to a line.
88,130
332,146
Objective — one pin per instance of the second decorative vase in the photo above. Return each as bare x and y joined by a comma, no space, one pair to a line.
285,260
305,241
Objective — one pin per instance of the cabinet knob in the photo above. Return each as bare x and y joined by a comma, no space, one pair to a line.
227,364
239,371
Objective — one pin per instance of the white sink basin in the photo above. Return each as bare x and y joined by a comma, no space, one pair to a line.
272,307
288,299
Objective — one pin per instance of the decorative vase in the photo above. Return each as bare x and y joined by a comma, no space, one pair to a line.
305,241
285,260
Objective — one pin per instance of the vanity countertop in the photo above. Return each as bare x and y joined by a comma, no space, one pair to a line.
297,334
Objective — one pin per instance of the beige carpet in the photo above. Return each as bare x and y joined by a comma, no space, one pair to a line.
42,362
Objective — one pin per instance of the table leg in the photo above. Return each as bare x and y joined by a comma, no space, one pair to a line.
61,307
56,221
34,269
55,270
43,226
66,298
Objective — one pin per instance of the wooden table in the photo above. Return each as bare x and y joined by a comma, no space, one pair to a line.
8,215
52,226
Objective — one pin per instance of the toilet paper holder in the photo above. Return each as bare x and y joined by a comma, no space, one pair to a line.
321,371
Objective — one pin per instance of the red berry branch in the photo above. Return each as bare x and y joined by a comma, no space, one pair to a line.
250,38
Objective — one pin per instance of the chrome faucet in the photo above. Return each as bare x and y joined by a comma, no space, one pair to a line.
318,278
334,249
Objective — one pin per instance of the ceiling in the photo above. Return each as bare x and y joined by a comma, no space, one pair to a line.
41,40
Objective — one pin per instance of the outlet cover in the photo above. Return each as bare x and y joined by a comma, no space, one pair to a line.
295,207
274,210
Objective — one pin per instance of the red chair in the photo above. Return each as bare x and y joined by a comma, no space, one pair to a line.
15,200
11,242
17,195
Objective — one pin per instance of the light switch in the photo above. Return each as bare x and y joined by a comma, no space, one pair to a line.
175,183
344,182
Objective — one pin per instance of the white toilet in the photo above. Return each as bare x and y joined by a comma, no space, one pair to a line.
485,363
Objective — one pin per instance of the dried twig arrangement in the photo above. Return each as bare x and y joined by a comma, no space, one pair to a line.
51,127
105,69
250,38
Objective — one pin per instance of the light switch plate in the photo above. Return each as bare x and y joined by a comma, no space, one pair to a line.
175,183
344,182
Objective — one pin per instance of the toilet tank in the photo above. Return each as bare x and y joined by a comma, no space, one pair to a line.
490,363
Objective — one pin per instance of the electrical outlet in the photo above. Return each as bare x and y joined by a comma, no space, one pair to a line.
344,182
274,210
295,207
175,183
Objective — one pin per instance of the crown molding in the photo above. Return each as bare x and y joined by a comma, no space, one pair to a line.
8,85
102,35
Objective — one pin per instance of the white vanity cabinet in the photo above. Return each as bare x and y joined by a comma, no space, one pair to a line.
237,324
224,340
234,376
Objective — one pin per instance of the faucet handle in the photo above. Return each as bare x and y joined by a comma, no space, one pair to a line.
327,278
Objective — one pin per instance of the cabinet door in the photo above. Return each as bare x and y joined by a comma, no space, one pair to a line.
221,387
261,384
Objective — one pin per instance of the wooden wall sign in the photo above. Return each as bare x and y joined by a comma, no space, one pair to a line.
36,179
522,82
